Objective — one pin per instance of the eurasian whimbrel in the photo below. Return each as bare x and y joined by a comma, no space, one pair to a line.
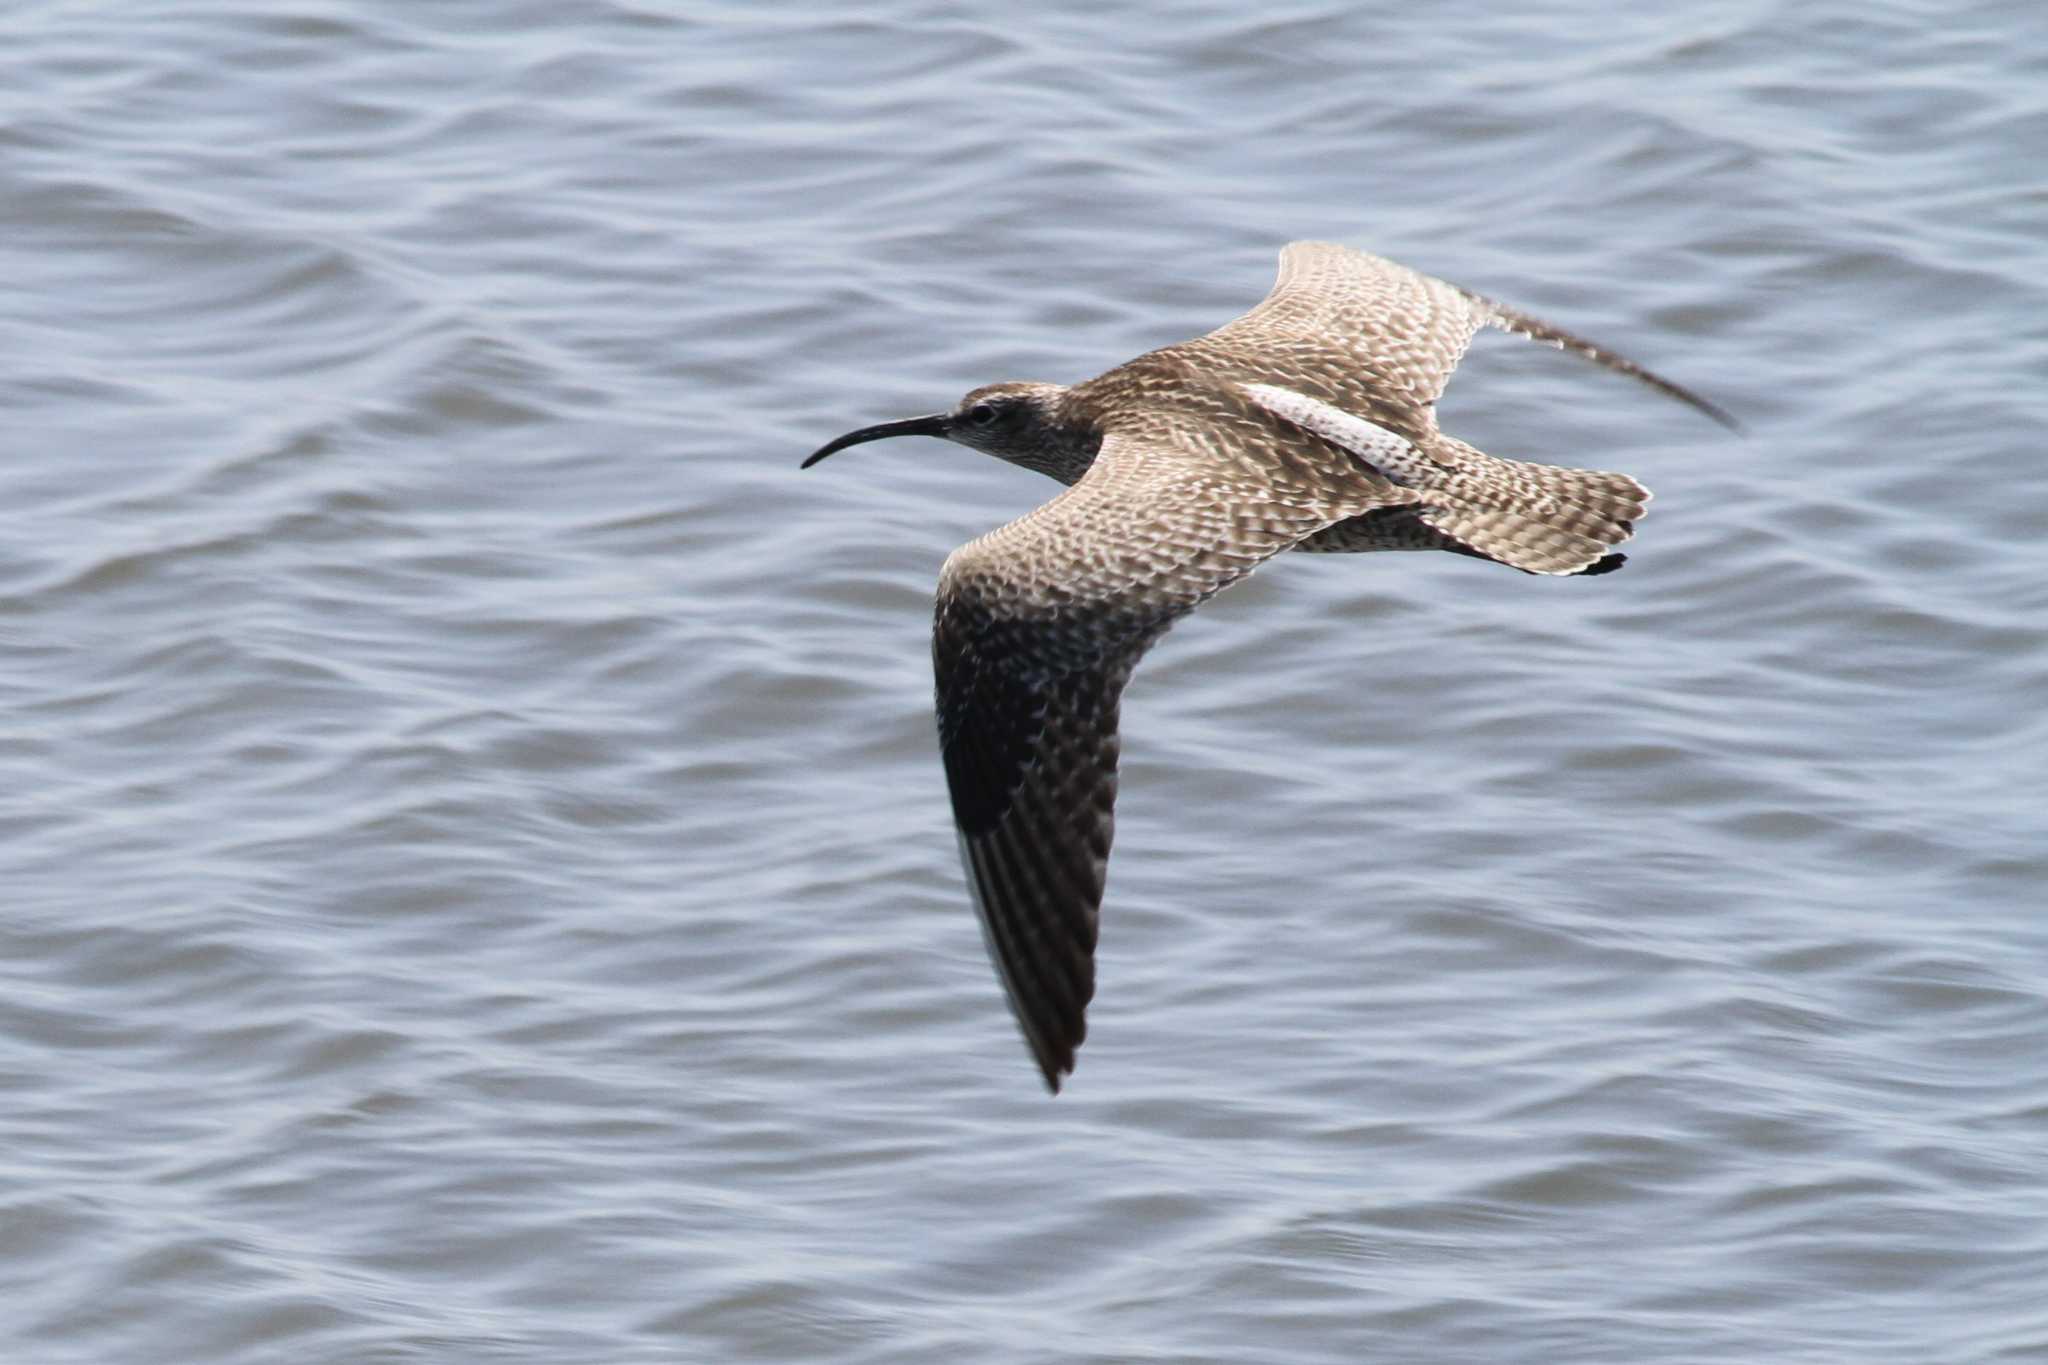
1309,423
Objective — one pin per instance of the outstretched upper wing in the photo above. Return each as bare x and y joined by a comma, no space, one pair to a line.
1372,329
1038,627
1378,335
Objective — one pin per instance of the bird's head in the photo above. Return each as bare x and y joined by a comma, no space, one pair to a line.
1026,424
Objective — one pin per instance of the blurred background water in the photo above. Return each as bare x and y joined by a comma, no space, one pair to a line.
475,878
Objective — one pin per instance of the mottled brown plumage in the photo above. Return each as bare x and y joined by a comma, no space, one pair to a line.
1309,423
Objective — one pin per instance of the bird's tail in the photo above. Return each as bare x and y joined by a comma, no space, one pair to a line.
1536,517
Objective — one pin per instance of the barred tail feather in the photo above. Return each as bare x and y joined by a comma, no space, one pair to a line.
1540,518
1517,540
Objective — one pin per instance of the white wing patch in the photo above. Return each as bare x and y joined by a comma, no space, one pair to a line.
1391,454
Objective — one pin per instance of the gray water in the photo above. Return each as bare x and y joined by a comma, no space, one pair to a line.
478,883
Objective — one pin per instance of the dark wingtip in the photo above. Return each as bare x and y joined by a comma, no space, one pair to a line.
1713,410
1513,320
1055,1058
1669,388
1605,564
1055,1061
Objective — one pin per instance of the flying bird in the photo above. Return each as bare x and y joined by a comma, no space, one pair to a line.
1307,424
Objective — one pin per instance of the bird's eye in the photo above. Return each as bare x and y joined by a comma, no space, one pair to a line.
982,415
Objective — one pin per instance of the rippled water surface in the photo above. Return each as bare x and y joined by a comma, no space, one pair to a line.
475,879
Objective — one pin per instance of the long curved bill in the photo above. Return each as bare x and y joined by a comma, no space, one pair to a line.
934,425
